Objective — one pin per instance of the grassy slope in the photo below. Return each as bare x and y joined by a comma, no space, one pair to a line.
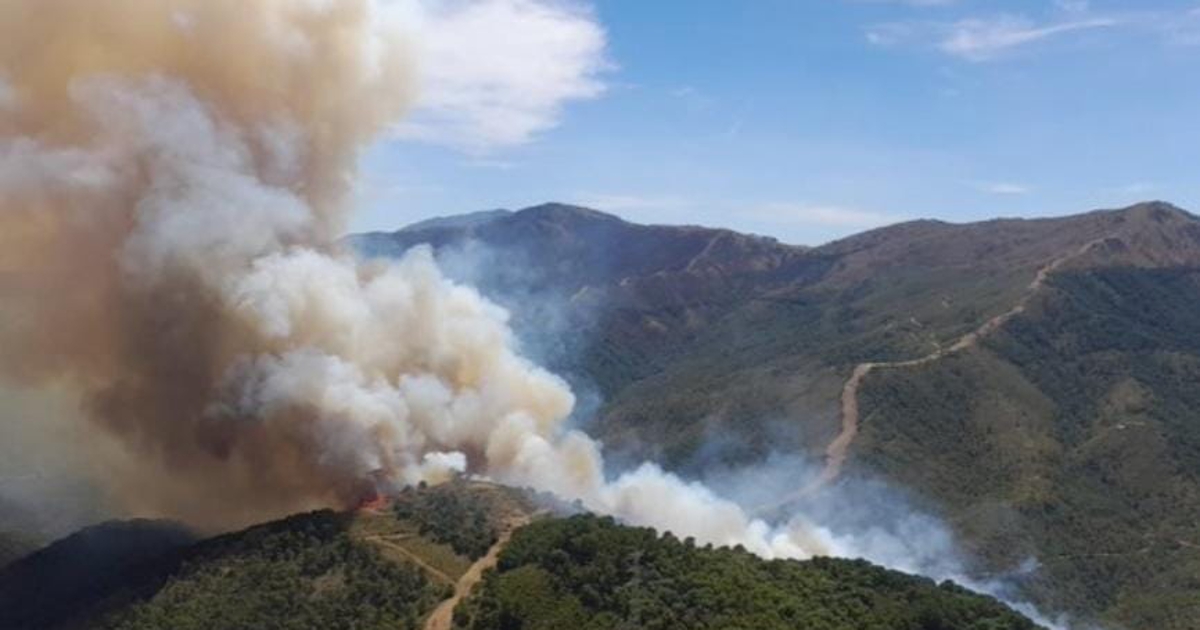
1076,439
589,573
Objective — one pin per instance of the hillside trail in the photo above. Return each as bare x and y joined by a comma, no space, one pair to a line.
388,541
442,617
839,448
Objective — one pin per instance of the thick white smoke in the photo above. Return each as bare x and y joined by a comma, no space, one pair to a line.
173,177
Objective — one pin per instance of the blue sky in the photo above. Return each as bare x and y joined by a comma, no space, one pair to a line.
801,119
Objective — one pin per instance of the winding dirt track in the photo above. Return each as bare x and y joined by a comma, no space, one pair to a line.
838,449
442,617
388,541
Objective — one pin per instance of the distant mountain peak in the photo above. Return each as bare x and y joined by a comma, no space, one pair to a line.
1156,212
563,211
458,220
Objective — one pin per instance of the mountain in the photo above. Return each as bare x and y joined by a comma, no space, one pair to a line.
74,576
462,555
456,222
1032,379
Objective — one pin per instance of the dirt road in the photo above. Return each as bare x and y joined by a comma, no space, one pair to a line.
839,448
442,617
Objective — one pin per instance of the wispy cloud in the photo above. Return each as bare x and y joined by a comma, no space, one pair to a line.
984,39
496,72
490,164
820,215
1004,188
980,39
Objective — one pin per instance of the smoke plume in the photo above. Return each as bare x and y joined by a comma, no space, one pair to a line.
172,177
173,183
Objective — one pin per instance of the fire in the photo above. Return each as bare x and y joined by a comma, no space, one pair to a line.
376,502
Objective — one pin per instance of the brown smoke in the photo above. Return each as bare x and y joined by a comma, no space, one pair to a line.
150,152
171,182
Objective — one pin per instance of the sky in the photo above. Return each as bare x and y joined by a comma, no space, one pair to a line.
806,120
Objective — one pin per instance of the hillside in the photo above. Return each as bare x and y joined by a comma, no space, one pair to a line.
1002,354
589,572
13,546
1079,441
423,562
73,577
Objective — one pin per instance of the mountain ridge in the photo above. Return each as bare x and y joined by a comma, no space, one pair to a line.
468,554
732,349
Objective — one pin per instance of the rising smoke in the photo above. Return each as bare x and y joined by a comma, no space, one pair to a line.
173,182
173,179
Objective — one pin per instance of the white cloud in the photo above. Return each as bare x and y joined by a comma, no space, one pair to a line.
986,38
1005,188
893,33
496,72
821,215
983,39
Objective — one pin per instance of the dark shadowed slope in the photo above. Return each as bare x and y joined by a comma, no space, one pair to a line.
76,575
13,545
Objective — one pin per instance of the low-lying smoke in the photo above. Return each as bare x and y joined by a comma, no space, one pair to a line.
173,177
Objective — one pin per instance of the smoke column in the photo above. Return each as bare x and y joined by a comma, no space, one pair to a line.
173,182
173,177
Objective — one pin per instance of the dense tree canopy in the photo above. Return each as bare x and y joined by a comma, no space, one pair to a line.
588,572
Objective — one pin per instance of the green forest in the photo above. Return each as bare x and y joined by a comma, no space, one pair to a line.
1076,442
590,573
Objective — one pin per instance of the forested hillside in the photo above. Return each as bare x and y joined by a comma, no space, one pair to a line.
390,566
1064,434
589,572
1077,432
